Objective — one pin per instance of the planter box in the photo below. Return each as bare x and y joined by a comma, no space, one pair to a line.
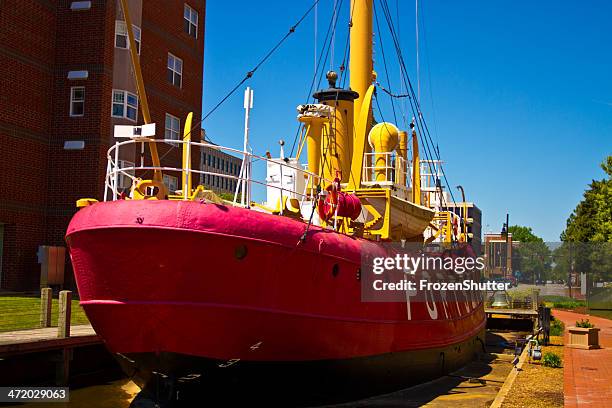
583,338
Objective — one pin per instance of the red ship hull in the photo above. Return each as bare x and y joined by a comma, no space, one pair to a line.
227,284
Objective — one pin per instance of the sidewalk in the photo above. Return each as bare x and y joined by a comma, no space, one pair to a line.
587,374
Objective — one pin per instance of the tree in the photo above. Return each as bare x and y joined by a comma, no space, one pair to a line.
530,255
523,234
587,238
591,220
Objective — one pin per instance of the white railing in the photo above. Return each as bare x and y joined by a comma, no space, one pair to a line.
393,168
117,170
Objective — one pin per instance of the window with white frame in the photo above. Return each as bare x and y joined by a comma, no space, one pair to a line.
124,181
175,70
173,127
125,105
191,21
171,182
77,101
121,36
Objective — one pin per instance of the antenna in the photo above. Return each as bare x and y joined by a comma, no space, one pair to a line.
245,169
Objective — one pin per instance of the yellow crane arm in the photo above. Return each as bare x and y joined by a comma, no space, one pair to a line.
144,104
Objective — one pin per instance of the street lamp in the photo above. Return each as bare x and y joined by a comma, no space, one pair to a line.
505,232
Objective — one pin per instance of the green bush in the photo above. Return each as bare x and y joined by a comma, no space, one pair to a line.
585,324
568,305
556,327
551,360
562,302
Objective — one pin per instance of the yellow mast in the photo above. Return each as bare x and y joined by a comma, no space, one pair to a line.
361,78
402,153
416,170
361,54
144,103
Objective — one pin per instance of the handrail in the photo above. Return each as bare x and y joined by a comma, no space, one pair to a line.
114,170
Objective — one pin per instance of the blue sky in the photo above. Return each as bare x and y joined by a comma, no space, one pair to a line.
518,95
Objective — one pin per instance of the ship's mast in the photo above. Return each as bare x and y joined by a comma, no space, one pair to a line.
361,67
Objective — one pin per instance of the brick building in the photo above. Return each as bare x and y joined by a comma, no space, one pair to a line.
216,161
65,81
497,250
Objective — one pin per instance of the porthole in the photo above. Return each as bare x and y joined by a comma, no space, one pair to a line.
335,270
240,252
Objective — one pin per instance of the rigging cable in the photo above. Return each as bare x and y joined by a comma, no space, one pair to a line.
322,61
416,3
399,37
250,73
347,48
420,122
382,49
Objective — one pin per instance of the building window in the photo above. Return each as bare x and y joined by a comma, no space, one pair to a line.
191,21
171,182
77,101
121,36
173,126
125,105
124,180
175,70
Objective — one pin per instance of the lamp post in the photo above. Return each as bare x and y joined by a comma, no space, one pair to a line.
505,231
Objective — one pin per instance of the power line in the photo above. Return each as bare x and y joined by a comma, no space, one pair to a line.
250,73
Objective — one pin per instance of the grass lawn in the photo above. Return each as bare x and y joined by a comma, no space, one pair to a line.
578,306
606,314
564,302
23,312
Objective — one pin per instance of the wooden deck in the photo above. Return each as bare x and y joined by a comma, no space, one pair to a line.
522,313
36,340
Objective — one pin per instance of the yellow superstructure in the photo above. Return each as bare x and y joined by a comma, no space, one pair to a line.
342,140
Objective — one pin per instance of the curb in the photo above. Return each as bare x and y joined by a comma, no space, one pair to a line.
505,389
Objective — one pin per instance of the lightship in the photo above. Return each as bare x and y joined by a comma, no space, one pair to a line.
183,282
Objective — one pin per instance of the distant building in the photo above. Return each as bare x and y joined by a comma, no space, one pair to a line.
473,221
498,255
65,81
217,161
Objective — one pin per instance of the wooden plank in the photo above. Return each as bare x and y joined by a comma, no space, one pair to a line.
522,312
28,341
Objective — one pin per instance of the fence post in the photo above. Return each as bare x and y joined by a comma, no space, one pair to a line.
63,320
535,294
46,296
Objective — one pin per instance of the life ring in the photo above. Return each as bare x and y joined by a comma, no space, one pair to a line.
328,203
140,190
